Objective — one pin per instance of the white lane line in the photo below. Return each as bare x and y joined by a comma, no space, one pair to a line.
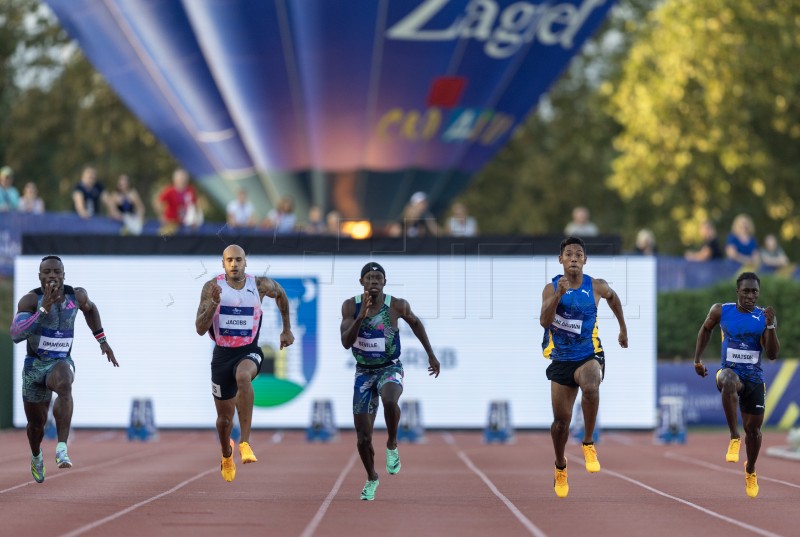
525,521
709,512
312,526
712,466
73,471
109,518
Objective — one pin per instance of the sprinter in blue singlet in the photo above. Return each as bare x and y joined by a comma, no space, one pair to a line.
571,342
748,332
370,329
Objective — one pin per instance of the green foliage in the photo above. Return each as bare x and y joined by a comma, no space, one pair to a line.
681,313
710,120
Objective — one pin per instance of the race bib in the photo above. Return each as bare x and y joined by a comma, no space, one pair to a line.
55,343
741,356
569,325
236,321
370,344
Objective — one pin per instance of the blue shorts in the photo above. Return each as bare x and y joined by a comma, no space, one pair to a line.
368,385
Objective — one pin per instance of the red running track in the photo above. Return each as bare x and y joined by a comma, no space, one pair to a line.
451,485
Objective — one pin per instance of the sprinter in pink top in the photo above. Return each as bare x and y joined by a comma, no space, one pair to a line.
230,311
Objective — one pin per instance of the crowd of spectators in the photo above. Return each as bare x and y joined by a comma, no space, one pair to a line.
178,206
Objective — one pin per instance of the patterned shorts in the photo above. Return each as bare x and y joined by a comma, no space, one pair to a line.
34,378
368,385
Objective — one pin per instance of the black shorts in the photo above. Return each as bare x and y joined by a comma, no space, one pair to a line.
563,371
224,362
751,397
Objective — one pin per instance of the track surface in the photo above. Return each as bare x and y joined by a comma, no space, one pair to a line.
453,484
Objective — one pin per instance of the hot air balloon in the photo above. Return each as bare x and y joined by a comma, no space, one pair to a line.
351,105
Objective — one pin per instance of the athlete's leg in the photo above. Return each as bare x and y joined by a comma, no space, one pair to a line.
729,385
59,380
364,426
589,376
752,438
246,371
563,398
37,418
225,410
390,397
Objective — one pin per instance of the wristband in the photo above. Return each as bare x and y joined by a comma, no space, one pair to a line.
100,336
43,311
771,326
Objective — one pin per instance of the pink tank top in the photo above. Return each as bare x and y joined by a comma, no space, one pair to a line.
238,317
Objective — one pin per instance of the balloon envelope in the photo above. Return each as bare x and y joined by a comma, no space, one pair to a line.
349,104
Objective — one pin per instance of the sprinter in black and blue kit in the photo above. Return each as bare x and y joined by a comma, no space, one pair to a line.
572,343
748,332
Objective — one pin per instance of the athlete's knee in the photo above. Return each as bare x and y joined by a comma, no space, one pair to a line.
560,424
752,430
243,379
364,438
224,421
591,392
727,386
62,386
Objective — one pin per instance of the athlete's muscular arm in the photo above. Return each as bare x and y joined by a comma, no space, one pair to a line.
770,338
27,320
703,337
209,300
92,315
550,298
271,288
603,290
350,324
403,309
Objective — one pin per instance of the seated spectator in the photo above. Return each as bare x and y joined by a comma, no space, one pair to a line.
177,205
772,254
240,211
126,206
282,219
418,221
709,248
460,223
581,225
9,195
316,224
645,243
88,194
741,245
30,202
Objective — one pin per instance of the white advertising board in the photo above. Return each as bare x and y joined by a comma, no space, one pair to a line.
481,314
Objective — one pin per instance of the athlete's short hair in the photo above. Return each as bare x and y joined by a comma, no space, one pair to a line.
48,257
572,240
747,276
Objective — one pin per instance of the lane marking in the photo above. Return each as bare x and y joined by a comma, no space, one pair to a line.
109,518
712,466
525,521
709,512
315,521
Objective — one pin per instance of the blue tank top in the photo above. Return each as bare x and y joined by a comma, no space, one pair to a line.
572,336
741,341
54,339
377,342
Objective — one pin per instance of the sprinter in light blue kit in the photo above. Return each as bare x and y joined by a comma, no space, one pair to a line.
748,332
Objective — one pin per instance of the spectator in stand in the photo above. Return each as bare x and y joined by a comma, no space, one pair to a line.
645,243
176,205
30,202
9,196
581,225
709,248
316,222
126,206
418,221
772,254
741,245
89,194
460,223
241,212
282,220
333,223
